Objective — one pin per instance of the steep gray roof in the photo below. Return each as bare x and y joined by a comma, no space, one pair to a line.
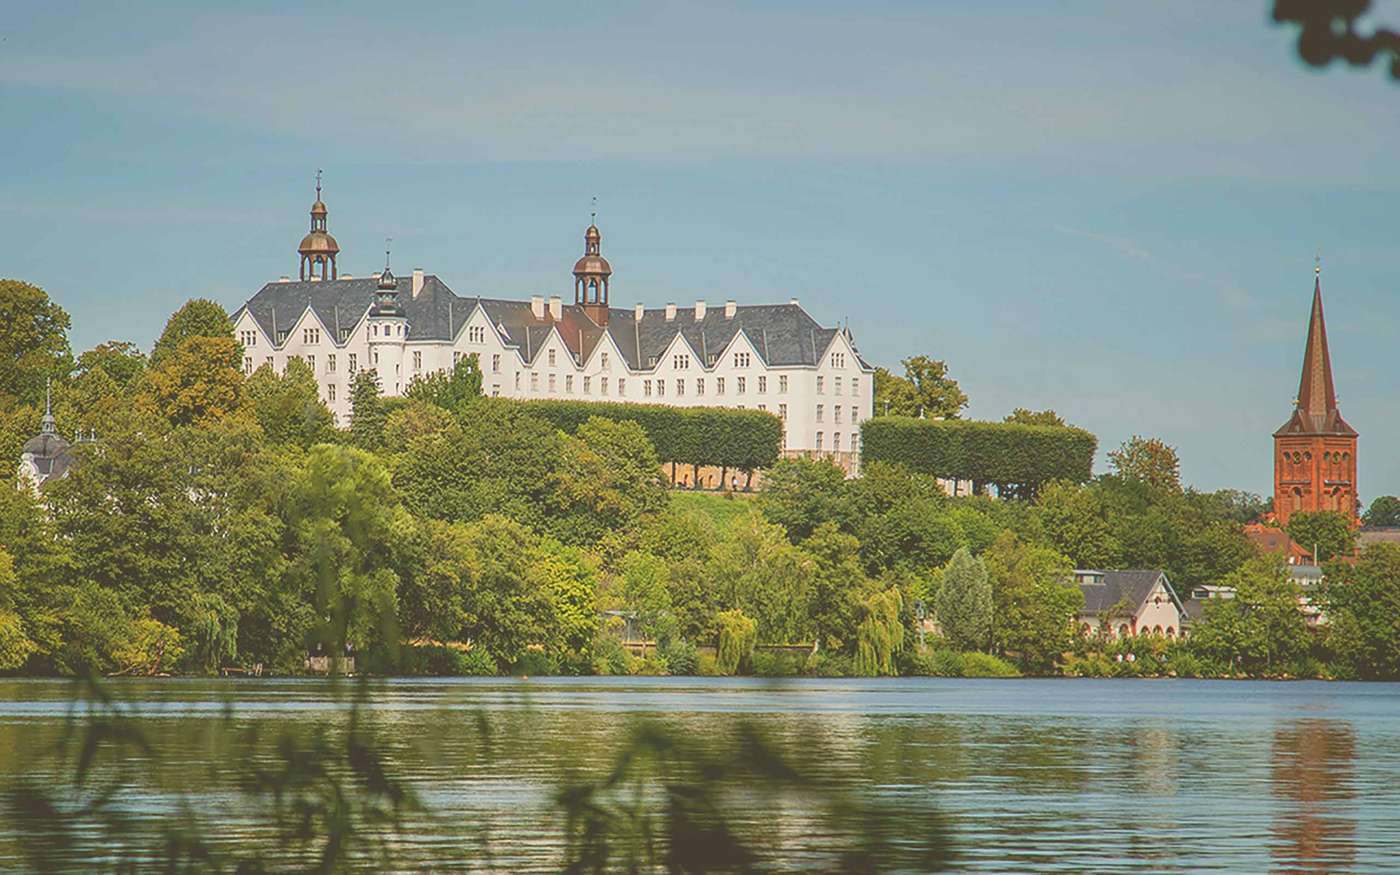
1116,586
782,334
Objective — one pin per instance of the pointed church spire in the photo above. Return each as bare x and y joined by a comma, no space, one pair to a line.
1317,397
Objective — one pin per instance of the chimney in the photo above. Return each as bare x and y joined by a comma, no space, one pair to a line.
537,306
699,310
417,281
670,312
284,279
639,312
556,308
730,308
792,301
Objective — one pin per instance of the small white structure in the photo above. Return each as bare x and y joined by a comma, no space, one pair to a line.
44,457
771,357
1119,604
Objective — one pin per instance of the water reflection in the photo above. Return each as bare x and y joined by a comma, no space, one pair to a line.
1312,777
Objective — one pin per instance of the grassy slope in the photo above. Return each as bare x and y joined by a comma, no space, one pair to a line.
713,505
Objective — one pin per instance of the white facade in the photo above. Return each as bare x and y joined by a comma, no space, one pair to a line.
821,404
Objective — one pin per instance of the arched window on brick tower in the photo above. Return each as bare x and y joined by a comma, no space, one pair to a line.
1315,450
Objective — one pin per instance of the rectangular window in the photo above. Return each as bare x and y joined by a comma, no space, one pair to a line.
719,385
495,364
855,414
819,442
855,385
762,385
646,388
247,364
587,385
836,385
517,381
782,384
836,441
621,387
417,360
456,357
819,412
330,363
330,392
660,387
551,358
741,360
699,385
354,363
270,363
680,362
680,386
763,407
569,383
534,381
374,357
603,360
855,442
782,412
821,385
310,335
553,383
495,390
311,363
739,385
836,413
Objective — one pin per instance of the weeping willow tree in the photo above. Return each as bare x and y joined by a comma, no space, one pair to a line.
880,634
737,636
215,632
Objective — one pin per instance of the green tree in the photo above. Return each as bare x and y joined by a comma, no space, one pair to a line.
197,381
1076,524
15,643
289,407
367,413
754,569
925,390
737,636
838,585
880,634
1149,460
607,480
1362,603
33,343
1262,626
449,391
963,604
645,588
121,360
1025,416
802,494
1384,511
1326,533
1034,602
198,317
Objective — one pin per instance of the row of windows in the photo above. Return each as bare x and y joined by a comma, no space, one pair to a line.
836,385
836,413
853,444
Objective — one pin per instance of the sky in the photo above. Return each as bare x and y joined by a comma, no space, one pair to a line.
1110,209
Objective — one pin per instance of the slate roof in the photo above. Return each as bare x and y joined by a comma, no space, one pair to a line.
1116,586
782,334
51,454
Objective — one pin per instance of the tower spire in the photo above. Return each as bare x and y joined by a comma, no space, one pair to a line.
1317,396
48,424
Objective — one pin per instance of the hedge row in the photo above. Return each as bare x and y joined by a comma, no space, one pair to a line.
719,436
1017,458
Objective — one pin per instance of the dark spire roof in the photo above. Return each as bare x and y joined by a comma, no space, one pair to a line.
1316,410
48,425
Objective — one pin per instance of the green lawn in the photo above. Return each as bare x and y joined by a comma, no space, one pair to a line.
713,504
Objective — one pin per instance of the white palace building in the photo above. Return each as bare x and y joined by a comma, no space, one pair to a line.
770,357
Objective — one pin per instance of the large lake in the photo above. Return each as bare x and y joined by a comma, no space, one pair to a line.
1032,775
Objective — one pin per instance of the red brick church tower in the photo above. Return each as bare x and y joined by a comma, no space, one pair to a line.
1315,451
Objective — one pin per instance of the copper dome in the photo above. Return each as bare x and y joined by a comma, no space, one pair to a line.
318,242
318,208
592,265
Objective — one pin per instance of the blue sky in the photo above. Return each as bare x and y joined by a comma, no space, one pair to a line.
1107,208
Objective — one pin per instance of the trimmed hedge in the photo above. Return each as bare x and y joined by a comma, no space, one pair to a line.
1017,458
718,436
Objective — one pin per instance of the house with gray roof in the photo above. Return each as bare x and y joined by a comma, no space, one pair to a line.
772,357
1120,604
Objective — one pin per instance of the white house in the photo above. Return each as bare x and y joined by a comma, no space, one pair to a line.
772,357
1118,604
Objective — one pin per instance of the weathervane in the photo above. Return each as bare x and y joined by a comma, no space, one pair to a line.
388,241
1317,262
318,183
593,213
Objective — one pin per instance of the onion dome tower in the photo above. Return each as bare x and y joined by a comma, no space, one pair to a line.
387,329
591,276
1315,450
318,248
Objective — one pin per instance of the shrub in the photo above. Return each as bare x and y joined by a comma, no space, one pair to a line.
826,664
680,656
534,662
985,665
706,665
778,665
477,663
737,636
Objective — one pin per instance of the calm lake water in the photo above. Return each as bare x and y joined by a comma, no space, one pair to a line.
1032,775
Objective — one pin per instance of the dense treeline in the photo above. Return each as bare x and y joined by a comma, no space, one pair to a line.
221,520
1017,458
